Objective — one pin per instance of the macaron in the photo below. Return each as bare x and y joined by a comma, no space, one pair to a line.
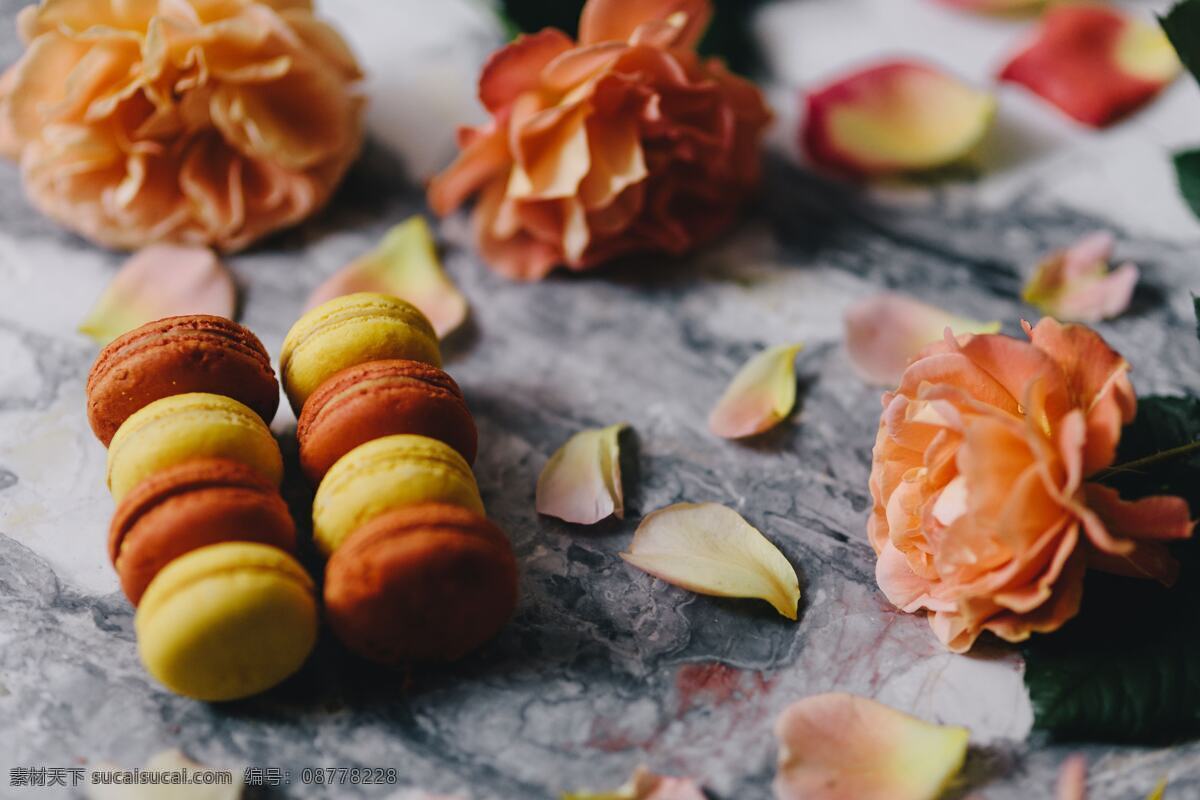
185,427
176,355
349,330
188,506
385,474
377,399
429,582
227,621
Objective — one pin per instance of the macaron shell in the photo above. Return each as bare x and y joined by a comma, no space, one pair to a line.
189,506
227,621
425,583
177,355
385,474
187,427
378,399
351,330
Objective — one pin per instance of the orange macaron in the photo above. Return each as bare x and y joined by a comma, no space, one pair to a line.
424,583
377,399
188,506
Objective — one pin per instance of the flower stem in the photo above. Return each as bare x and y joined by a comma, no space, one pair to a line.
1140,464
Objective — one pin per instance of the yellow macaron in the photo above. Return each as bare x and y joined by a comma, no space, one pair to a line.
227,621
185,427
384,474
348,331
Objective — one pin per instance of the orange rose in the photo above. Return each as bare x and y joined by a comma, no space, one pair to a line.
625,142
210,122
983,515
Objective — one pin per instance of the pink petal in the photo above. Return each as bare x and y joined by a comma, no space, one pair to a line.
760,396
404,265
581,482
645,785
886,331
1072,779
894,117
1075,284
161,281
843,747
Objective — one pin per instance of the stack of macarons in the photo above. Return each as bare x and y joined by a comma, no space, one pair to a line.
201,539
416,572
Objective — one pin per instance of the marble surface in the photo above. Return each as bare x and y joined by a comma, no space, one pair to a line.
603,667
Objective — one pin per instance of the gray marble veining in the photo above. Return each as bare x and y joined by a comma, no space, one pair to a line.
603,667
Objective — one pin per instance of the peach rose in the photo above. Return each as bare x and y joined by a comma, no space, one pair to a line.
206,122
983,513
625,142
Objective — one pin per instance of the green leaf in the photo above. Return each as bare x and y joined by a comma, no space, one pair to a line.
1182,25
1187,172
1128,667
1196,309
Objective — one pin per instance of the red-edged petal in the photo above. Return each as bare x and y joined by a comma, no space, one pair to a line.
895,117
1094,62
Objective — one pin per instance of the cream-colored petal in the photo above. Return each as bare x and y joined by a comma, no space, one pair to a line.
173,761
404,265
708,548
885,331
843,747
161,281
645,785
581,482
760,396
895,117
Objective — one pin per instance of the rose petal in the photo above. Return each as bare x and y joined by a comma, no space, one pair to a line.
581,482
709,549
760,396
1159,790
1075,284
166,761
895,117
404,265
1072,779
645,785
161,281
616,20
842,747
514,69
886,331
1094,62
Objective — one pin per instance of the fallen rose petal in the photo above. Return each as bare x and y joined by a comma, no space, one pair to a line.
404,265
1072,779
1075,285
166,761
645,785
709,549
159,281
895,117
1159,790
842,747
1094,63
760,396
581,482
886,331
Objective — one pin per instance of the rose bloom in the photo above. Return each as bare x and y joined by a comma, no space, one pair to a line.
208,122
983,514
625,142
